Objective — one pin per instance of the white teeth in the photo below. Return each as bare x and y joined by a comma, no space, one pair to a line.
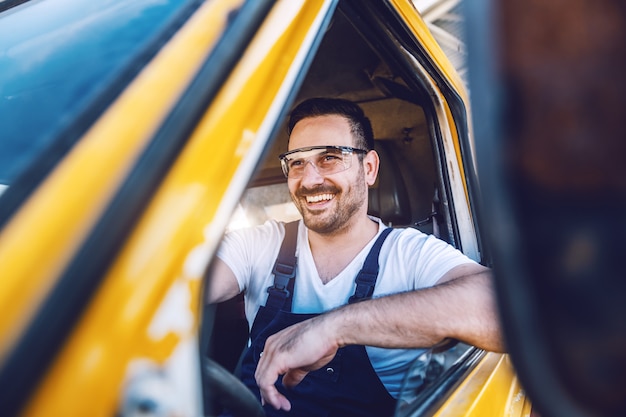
318,198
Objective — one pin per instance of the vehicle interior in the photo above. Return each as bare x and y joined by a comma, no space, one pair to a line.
410,190
346,66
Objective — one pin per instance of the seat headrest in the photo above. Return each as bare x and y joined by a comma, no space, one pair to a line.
389,199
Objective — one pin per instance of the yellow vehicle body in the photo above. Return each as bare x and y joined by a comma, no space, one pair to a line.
145,308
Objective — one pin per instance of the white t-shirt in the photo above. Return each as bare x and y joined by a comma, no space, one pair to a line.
409,259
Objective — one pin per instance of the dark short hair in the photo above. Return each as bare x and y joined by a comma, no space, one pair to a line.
360,125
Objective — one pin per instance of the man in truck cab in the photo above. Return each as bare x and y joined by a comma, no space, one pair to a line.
340,305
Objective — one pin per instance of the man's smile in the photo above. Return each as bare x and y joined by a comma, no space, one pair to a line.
319,198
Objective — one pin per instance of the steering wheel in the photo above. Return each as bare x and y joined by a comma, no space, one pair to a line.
228,391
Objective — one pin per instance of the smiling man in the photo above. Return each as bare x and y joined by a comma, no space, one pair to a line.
337,336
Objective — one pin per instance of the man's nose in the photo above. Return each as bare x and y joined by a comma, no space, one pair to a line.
310,175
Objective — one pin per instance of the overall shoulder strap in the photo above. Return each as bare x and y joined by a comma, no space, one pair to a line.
366,279
284,270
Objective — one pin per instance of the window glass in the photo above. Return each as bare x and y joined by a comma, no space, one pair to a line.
58,57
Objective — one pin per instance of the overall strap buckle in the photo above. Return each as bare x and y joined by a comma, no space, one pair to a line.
284,270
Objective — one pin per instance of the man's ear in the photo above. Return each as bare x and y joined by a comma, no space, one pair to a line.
371,161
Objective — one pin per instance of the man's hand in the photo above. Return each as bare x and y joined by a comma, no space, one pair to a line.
462,306
293,353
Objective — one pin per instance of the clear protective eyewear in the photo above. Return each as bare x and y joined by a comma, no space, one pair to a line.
325,159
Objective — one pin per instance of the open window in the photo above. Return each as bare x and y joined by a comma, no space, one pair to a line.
360,58
413,187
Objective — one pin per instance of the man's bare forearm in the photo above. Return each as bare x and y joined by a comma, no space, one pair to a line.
462,308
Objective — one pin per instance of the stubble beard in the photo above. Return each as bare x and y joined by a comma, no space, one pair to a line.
346,204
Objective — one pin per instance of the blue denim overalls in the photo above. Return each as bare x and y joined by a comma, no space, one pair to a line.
348,385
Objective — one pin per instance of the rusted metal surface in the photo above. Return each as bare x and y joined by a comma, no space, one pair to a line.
561,68
564,62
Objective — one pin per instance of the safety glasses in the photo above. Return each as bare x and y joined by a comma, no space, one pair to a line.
325,159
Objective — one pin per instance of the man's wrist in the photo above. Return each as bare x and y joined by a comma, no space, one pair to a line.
339,327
